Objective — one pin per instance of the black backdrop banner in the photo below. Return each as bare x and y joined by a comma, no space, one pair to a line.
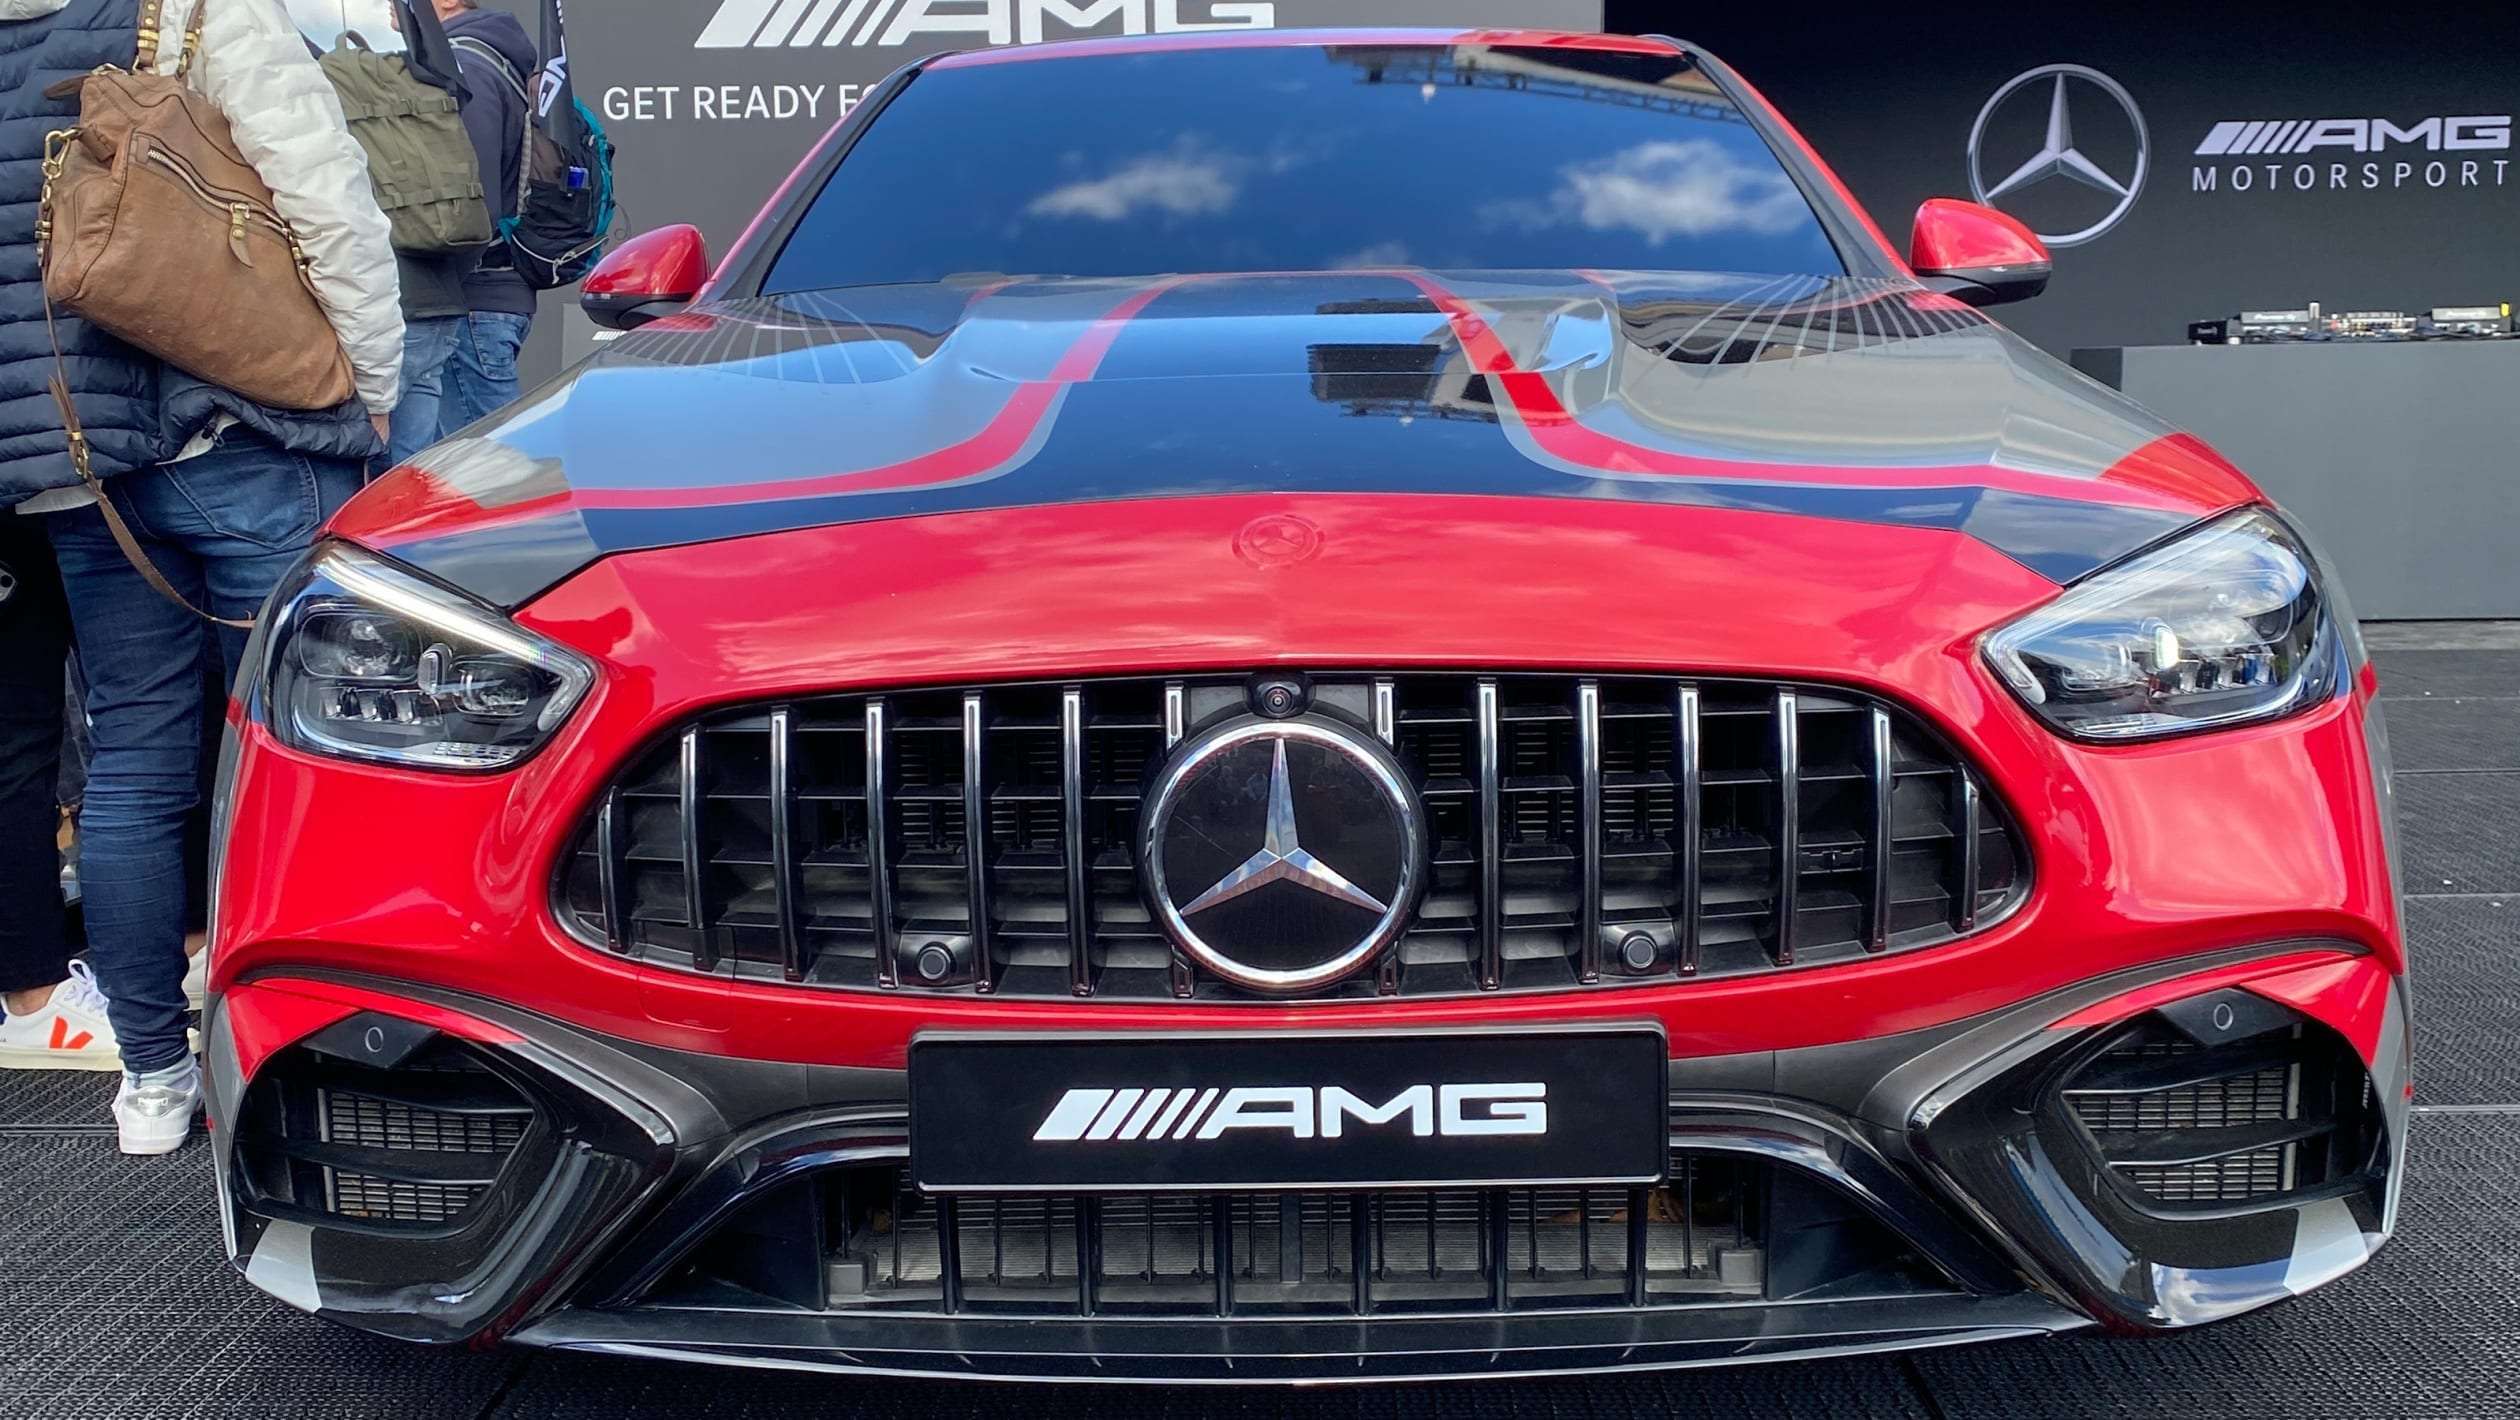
2186,162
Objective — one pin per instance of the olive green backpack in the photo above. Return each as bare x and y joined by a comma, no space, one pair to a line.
420,160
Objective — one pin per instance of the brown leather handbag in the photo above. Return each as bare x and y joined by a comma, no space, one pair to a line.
153,228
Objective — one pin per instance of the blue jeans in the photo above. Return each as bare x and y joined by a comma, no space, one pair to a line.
482,375
222,528
428,344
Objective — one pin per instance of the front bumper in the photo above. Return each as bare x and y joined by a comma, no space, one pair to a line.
1914,1190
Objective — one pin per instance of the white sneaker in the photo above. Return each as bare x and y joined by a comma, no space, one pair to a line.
155,1111
69,1033
197,980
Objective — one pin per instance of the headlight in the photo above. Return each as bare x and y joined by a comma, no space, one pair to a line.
367,661
2224,626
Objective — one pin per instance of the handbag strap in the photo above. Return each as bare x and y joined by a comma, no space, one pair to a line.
150,12
80,464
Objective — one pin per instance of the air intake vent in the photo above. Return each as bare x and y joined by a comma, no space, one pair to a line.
2187,1125
1584,832
416,1145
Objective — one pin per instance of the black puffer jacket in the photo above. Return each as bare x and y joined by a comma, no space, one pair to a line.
116,386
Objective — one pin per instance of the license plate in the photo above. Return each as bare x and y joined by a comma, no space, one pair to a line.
1288,1110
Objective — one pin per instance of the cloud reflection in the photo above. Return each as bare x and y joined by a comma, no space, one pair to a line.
1185,181
1677,188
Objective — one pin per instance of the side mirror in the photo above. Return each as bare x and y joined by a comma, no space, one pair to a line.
1976,254
653,274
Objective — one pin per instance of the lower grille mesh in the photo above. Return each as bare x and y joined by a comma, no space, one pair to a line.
1701,1236
862,1241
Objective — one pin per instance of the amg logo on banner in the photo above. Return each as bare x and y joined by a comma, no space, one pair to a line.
2238,138
776,24
1448,1111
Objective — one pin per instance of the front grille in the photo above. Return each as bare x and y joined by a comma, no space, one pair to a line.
416,1144
1722,1228
2187,1125
1585,832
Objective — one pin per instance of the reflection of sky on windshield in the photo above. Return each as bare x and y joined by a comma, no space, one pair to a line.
1661,190
1187,181
1304,159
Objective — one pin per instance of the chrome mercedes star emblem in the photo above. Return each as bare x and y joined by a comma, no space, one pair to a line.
1341,850
2058,156
1283,860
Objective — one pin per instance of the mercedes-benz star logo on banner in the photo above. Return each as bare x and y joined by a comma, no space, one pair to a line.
1282,854
2084,187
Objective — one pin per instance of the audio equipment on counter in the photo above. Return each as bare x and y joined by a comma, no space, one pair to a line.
2310,324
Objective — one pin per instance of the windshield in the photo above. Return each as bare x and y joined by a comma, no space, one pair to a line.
1306,158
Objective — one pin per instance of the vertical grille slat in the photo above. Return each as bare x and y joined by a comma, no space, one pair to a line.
879,839
695,859
1788,824
783,880
1073,849
608,846
948,1255
1689,832
1639,1210
1883,766
1491,843
1588,851
1965,909
975,735
1736,826
1176,729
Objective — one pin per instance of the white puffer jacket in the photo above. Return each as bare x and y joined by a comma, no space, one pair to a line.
254,65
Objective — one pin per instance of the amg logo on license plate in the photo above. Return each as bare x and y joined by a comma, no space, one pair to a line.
1303,1111
1289,1110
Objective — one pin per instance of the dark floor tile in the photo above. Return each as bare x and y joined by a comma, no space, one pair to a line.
56,1098
114,1301
2451,733
2459,833
2425,1332
2417,675
2466,953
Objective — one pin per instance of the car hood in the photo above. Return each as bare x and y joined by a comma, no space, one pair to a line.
1857,400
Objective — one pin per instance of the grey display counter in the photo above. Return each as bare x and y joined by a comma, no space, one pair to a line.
2397,457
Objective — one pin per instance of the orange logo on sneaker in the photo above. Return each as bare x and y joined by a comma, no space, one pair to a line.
63,1040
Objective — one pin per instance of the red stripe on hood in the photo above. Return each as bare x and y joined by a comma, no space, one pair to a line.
1562,436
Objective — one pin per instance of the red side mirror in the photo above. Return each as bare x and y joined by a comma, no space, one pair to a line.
652,274
1976,253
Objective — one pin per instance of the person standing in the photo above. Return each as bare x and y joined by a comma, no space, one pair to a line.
51,1015
434,300
499,65
434,307
220,495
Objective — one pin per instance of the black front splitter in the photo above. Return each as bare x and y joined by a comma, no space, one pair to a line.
1279,1351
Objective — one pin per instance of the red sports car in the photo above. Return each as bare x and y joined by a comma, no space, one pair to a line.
1333,706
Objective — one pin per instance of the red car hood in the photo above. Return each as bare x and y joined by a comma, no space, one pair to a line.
1850,401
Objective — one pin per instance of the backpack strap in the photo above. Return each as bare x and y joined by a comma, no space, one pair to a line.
498,61
525,125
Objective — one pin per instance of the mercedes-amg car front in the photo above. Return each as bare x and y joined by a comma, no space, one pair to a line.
1308,707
